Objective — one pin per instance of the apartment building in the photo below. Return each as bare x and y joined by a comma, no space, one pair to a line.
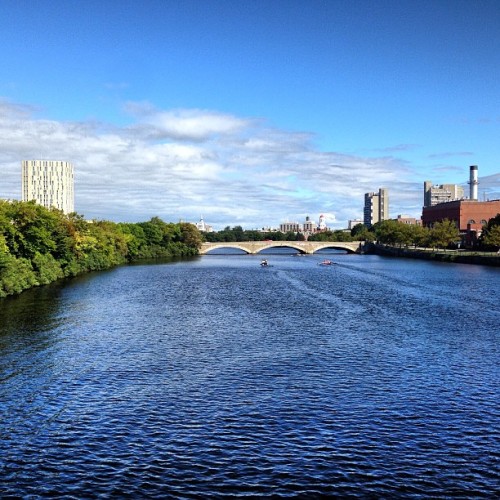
49,182
376,207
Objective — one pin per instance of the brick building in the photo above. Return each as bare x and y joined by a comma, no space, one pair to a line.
469,215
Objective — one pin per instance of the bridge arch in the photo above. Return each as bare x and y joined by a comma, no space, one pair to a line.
216,246
336,245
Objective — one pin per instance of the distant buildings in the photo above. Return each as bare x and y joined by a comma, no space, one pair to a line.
294,227
353,222
203,226
441,194
469,215
406,219
307,228
49,182
376,207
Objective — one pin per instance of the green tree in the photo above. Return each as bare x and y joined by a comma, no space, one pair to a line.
492,239
443,233
190,236
490,236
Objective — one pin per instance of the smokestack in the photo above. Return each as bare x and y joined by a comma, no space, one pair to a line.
473,182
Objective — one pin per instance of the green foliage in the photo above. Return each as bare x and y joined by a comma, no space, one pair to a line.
47,268
38,246
361,233
444,233
16,275
391,232
490,237
238,234
332,236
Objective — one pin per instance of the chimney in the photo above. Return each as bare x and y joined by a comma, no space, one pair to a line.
473,182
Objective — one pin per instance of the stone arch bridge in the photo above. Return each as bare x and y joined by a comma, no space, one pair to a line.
306,247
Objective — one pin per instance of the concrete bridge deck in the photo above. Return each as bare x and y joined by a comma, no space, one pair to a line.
306,247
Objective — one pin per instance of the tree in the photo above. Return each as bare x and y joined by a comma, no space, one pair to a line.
443,233
490,236
190,235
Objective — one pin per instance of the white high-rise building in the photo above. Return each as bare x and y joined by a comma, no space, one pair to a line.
50,183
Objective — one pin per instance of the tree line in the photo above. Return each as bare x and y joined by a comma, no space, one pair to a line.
443,234
39,245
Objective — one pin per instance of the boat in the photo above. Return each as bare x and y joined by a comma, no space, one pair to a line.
326,262
264,263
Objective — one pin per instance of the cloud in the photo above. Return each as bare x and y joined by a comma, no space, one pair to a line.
451,154
180,164
184,124
398,148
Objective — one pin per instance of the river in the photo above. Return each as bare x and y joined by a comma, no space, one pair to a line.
213,377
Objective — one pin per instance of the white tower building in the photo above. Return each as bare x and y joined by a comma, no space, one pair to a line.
50,183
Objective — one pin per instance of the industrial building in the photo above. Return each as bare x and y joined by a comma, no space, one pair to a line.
376,207
470,215
48,182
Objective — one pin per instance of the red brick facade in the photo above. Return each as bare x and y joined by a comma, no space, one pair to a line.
470,215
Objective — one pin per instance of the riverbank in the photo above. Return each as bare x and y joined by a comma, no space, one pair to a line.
39,246
455,256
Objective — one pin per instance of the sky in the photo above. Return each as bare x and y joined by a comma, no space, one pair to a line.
251,112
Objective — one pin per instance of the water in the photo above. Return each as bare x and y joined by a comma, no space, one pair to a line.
214,377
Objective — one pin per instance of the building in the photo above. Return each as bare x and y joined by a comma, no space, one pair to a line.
203,226
376,207
442,193
49,183
309,226
353,222
293,227
469,215
322,223
406,219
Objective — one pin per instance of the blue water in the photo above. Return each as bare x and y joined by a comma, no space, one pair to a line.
215,377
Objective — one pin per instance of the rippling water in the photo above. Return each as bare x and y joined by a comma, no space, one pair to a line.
214,377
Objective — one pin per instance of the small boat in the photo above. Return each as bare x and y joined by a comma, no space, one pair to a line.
264,263
326,262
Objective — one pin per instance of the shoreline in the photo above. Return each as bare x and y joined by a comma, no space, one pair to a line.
491,259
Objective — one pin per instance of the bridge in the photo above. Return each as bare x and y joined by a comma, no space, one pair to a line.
306,247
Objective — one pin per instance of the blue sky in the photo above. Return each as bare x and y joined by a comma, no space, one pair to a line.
252,112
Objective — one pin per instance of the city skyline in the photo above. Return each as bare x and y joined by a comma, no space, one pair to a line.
251,114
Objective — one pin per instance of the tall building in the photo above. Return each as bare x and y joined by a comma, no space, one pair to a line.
376,207
50,183
433,195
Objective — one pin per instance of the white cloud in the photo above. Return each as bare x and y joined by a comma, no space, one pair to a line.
185,163
185,124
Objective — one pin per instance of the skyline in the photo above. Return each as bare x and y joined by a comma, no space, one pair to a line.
255,113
